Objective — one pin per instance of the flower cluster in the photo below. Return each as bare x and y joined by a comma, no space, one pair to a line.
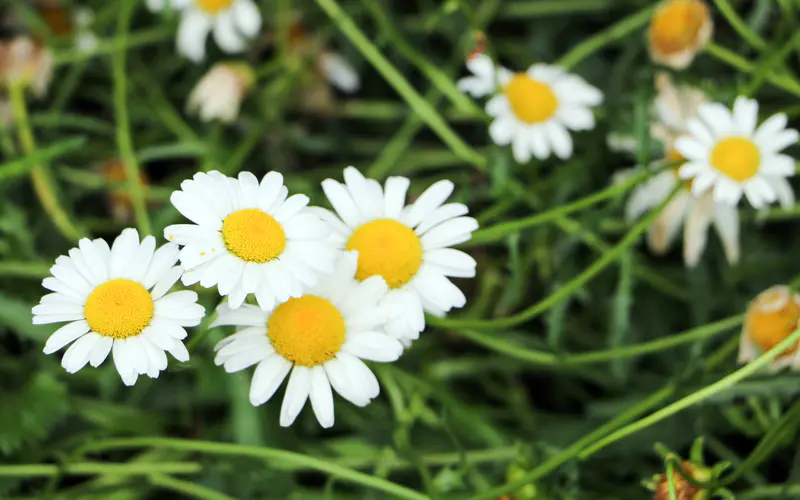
327,289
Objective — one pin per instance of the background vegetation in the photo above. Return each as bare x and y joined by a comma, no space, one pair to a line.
577,351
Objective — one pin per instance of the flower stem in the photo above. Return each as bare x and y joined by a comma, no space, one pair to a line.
123,123
43,184
99,468
187,488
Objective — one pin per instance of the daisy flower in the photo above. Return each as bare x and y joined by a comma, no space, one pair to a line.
673,107
678,31
232,21
220,92
725,151
771,317
406,245
115,300
320,337
249,238
532,110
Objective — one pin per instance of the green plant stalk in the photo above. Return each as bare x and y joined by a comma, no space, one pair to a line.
616,31
22,166
123,123
522,8
697,397
568,289
43,184
739,25
499,231
187,488
280,456
514,350
784,82
436,75
779,491
105,47
25,269
420,106
99,468
567,454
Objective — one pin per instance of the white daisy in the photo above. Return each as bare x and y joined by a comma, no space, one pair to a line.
115,300
249,238
339,72
674,107
771,317
726,151
220,92
234,22
532,110
407,245
321,337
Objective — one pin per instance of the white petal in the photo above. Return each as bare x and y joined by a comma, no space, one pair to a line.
726,222
269,189
560,141
192,34
455,262
78,353
100,351
248,17
745,115
291,207
296,394
66,334
166,281
437,289
178,351
373,346
321,397
267,378
163,260
441,214
225,34
695,234
137,267
123,363
773,125
431,199
395,196
342,202
449,233
345,383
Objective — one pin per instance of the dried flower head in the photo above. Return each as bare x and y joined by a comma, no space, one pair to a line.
678,30
25,62
220,93
771,317
684,490
118,198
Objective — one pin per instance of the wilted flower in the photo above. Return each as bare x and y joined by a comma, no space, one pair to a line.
220,93
25,62
119,198
771,317
673,107
684,490
679,29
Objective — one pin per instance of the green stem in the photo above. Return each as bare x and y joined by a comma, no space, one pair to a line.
43,184
619,30
25,269
117,45
780,491
523,8
187,488
123,125
567,454
99,468
279,456
739,25
784,82
514,350
565,291
420,106
499,231
696,397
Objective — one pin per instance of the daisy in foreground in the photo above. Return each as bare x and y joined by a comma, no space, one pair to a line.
532,110
726,151
406,245
248,237
233,23
673,107
115,300
320,337
771,317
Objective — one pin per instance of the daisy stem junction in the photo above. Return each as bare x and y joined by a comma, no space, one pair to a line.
41,176
280,456
124,142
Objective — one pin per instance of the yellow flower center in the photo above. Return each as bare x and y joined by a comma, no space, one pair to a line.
530,100
213,6
253,235
119,308
773,315
387,248
307,331
676,25
736,157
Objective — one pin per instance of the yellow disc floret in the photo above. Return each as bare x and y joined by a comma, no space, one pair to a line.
213,6
307,331
772,316
119,308
253,235
736,157
387,248
530,100
677,24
